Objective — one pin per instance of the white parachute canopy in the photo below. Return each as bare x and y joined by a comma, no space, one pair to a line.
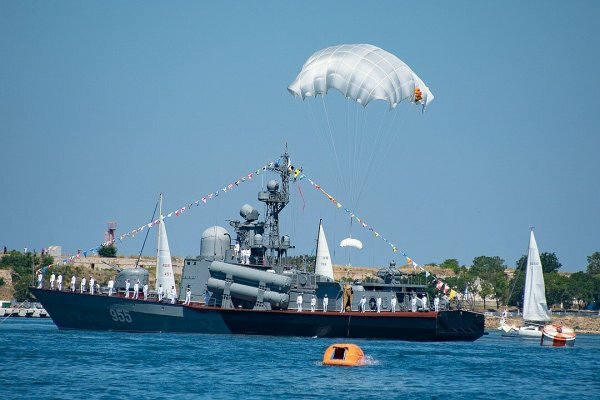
351,242
361,72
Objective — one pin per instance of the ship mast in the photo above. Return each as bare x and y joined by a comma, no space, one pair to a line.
276,199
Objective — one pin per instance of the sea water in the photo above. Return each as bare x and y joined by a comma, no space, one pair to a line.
37,361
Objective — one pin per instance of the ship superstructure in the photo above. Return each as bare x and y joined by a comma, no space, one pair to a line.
246,285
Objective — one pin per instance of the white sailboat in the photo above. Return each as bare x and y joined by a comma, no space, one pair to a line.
323,264
535,309
164,267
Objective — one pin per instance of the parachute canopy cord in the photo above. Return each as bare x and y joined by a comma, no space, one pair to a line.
395,132
348,131
385,137
359,151
337,159
319,131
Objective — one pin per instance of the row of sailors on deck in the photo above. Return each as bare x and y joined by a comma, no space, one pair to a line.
94,287
362,305
243,255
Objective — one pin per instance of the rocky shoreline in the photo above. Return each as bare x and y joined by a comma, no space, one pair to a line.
581,324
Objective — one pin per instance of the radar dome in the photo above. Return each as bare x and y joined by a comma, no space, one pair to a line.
273,185
214,242
249,213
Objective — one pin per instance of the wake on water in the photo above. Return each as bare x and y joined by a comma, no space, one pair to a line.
367,361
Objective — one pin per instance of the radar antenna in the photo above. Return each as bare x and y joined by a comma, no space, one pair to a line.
276,199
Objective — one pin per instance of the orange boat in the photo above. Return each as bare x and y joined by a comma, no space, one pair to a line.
558,336
343,354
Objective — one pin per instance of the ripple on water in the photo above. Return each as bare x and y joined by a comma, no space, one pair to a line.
75,364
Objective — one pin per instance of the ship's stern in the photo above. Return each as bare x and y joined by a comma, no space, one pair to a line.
459,325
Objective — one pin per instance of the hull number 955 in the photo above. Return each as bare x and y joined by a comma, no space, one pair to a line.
120,315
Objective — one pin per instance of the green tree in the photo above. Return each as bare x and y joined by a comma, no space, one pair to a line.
558,290
493,281
550,262
593,267
596,294
486,291
581,287
108,251
451,263
303,261
23,267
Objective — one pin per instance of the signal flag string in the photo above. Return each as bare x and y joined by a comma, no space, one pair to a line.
297,175
438,283
204,199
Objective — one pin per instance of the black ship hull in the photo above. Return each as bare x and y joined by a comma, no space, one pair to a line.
100,312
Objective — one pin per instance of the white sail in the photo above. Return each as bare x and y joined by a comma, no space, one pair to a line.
164,268
323,262
534,303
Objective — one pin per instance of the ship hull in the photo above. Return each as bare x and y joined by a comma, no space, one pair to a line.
100,312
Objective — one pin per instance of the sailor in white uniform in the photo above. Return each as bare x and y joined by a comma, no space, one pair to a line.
325,303
40,279
59,282
127,286
313,303
83,282
173,295
299,302
363,304
236,250
378,304
436,303
145,290
136,289
161,292
393,302
111,285
188,296
92,287
73,282
413,303
425,302
52,279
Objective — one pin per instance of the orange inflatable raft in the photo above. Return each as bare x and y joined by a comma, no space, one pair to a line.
558,336
343,354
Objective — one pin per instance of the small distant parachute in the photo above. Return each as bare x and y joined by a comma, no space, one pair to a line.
351,242
361,72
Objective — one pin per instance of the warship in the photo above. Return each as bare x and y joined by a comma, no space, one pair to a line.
249,286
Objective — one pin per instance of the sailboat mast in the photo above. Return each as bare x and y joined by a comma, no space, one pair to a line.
158,231
160,221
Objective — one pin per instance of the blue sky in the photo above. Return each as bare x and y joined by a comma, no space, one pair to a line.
103,105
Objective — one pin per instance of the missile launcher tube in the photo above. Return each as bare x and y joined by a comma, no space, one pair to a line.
248,293
250,276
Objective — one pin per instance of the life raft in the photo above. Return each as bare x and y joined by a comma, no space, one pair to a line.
343,354
558,336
